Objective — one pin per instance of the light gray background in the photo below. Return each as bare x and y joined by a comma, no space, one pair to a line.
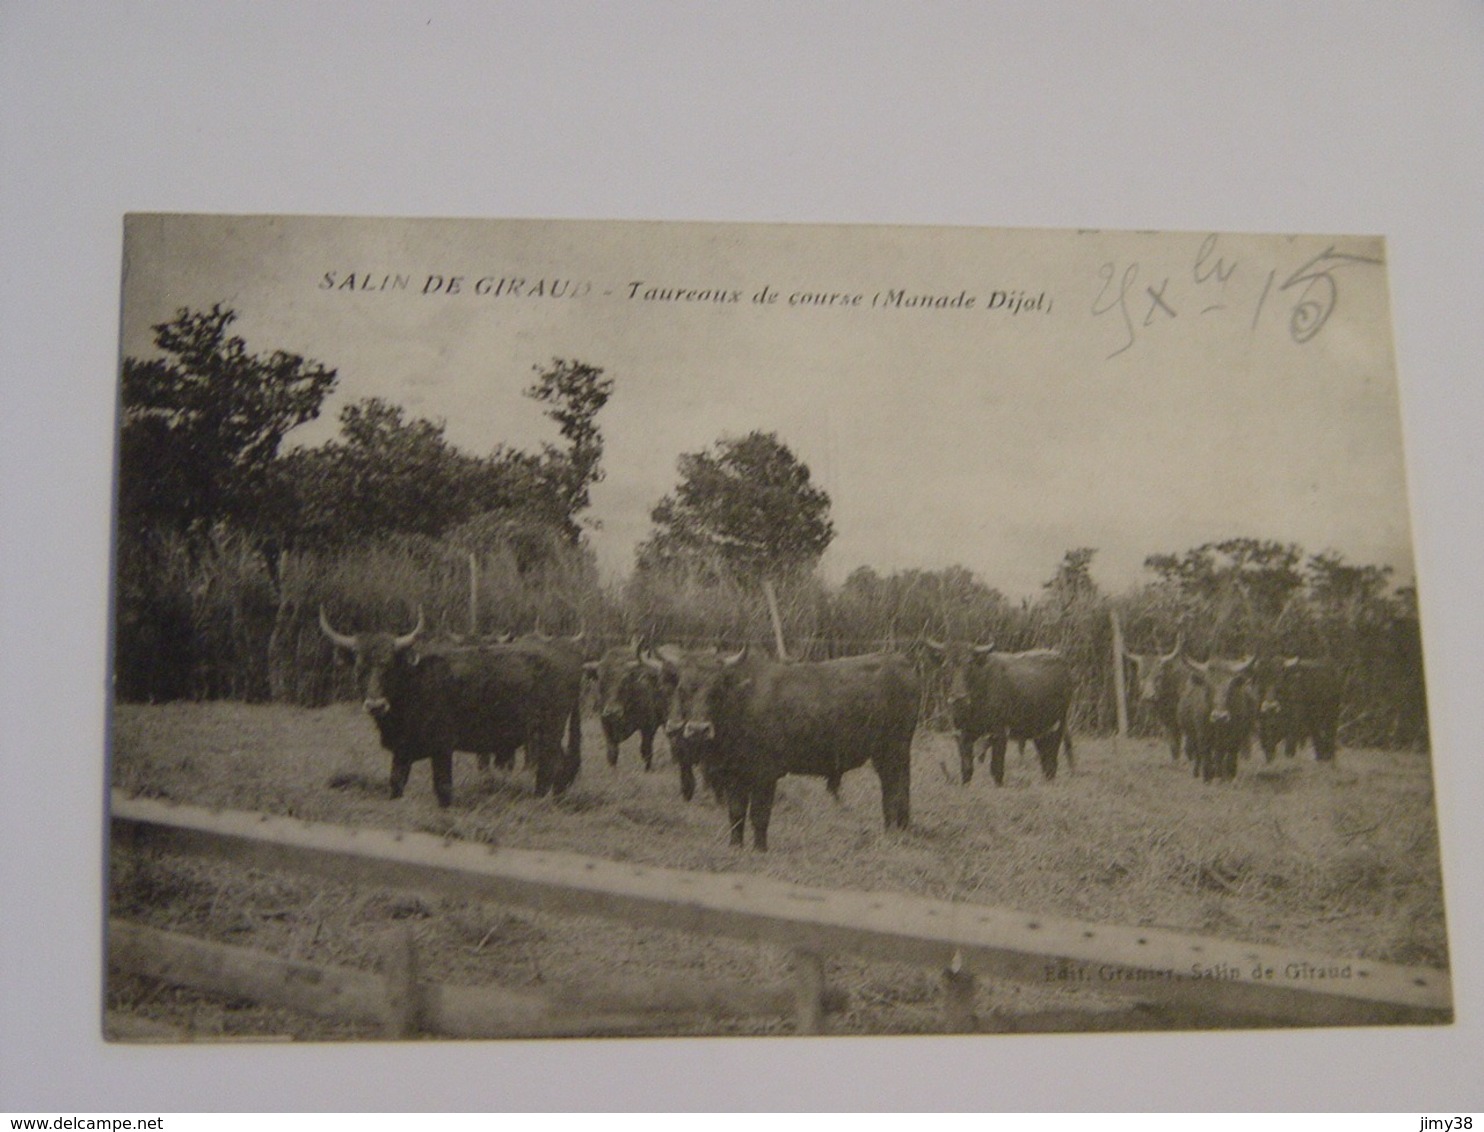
1268,117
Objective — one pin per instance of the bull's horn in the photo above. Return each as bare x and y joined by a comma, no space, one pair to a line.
400,643
1179,645
339,639
1193,665
650,660
735,658
936,646
1290,662
984,650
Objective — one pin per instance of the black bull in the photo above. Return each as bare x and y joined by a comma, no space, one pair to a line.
429,703
1217,714
1159,681
1298,700
995,697
756,720
630,699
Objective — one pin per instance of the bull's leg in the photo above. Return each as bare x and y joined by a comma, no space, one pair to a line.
483,759
965,757
687,781
569,765
1066,739
895,774
1047,747
539,750
715,784
997,747
401,768
737,799
832,784
1174,739
1325,743
612,753
443,777
762,811
646,747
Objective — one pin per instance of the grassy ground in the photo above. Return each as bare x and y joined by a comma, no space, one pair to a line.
1341,859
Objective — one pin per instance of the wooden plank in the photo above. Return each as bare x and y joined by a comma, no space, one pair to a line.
240,972
348,994
1234,979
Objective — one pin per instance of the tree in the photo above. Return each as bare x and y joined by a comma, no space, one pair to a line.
202,426
390,475
578,393
1073,578
1261,574
746,508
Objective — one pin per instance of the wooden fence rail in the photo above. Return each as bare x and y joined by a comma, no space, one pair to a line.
1209,981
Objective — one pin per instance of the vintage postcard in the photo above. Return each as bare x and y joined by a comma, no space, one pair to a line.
550,628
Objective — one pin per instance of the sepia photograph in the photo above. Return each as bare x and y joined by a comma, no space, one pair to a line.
530,629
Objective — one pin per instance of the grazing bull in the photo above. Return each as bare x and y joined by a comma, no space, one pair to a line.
756,720
563,660
1298,700
995,697
429,703
1217,714
1159,680
630,699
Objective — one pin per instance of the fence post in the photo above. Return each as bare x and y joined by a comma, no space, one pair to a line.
808,992
473,595
399,970
1120,698
959,989
772,597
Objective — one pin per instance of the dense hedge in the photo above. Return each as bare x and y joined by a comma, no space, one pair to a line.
205,620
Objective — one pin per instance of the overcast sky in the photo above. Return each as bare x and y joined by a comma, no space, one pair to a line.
1150,391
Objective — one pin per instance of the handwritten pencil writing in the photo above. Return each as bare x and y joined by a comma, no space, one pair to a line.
1214,281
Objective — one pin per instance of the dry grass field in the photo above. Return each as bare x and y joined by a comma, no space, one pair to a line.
1341,860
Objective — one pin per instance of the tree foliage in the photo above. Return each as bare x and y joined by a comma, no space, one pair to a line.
577,393
202,425
388,475
1073,577
747,508
1258,574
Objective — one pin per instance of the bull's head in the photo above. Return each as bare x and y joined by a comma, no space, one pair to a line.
959,660
615,675
1269,676
695,680
1151,671
375,654
1222,681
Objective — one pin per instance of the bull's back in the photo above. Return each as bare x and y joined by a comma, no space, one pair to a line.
492,690
827,716
1026,693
